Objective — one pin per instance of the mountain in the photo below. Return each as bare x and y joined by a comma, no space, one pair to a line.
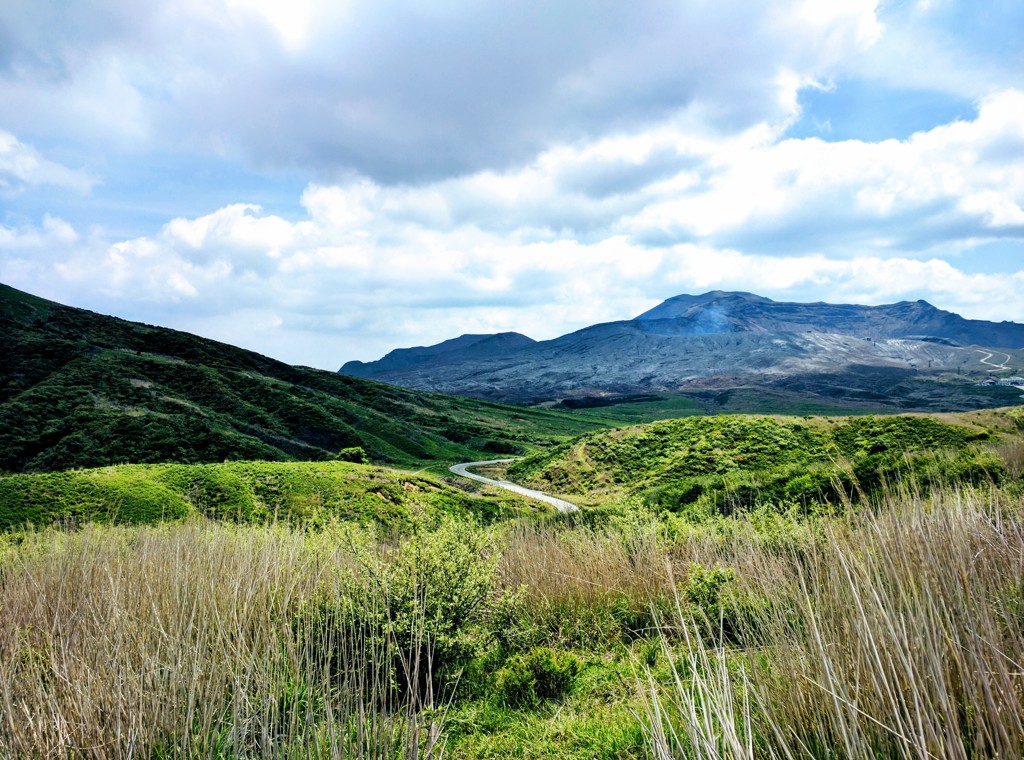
79,389
719,312
871,356
463,348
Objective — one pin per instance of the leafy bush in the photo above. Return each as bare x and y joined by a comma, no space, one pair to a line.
355,454
542,673
422,598
702,592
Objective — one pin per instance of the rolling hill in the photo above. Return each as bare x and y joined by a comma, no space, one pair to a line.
739,462
79,389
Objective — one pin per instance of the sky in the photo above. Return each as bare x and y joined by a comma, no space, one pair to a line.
329,180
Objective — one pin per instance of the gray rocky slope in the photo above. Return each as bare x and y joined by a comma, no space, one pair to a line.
715,340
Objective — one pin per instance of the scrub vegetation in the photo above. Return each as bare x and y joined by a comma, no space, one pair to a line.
704,466
307,493
79,389
304,609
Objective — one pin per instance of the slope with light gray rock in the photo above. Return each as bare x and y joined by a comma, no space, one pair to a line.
719,340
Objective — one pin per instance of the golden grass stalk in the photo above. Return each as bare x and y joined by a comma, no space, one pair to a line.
185,641
901,637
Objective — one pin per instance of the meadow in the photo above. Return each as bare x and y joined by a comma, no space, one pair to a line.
277,612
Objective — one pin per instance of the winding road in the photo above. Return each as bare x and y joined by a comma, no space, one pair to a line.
989,355
462,470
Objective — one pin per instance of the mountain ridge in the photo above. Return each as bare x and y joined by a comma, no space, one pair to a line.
468,345
743,312
721,340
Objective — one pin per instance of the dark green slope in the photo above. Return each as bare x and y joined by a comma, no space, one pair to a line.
79,389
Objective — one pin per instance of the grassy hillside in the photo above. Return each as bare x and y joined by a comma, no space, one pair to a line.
702,465
307,493
79,389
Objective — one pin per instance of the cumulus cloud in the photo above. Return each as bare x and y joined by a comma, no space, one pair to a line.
369,267
406,91
956,182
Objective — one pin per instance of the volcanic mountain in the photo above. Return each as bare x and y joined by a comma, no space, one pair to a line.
721,340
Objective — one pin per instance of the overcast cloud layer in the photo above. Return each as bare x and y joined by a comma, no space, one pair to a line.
328,181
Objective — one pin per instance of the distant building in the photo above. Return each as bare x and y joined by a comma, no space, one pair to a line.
1012,382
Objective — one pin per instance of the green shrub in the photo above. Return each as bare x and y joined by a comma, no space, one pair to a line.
542,673
422,599
355,454
702,597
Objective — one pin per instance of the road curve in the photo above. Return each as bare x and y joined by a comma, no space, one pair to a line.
462,470
989,355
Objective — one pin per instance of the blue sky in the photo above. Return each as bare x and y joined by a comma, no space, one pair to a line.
324,181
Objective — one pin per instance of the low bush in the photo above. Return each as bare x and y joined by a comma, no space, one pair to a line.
423,598
542,673
355,454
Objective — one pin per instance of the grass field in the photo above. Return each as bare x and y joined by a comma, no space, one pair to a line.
267,610
894,633
307,493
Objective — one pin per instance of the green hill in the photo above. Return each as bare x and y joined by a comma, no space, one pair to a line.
723,463
306,493
79,389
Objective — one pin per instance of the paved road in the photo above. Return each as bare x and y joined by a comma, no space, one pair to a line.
463,470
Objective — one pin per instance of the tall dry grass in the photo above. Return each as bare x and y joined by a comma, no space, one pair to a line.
584,587
597,587
188,641
1011,452
897,632
902,636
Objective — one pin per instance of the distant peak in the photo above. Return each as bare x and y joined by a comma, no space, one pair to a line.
466,346
676,306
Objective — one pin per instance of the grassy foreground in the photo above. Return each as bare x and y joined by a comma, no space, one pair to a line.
895,631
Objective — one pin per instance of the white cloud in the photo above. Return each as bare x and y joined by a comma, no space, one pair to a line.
404,90
535,171
22,166
321,304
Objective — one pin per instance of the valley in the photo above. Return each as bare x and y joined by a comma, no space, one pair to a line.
511,380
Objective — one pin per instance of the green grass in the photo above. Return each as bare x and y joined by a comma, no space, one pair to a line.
706,465
658,406
596,719
79,389
309,493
